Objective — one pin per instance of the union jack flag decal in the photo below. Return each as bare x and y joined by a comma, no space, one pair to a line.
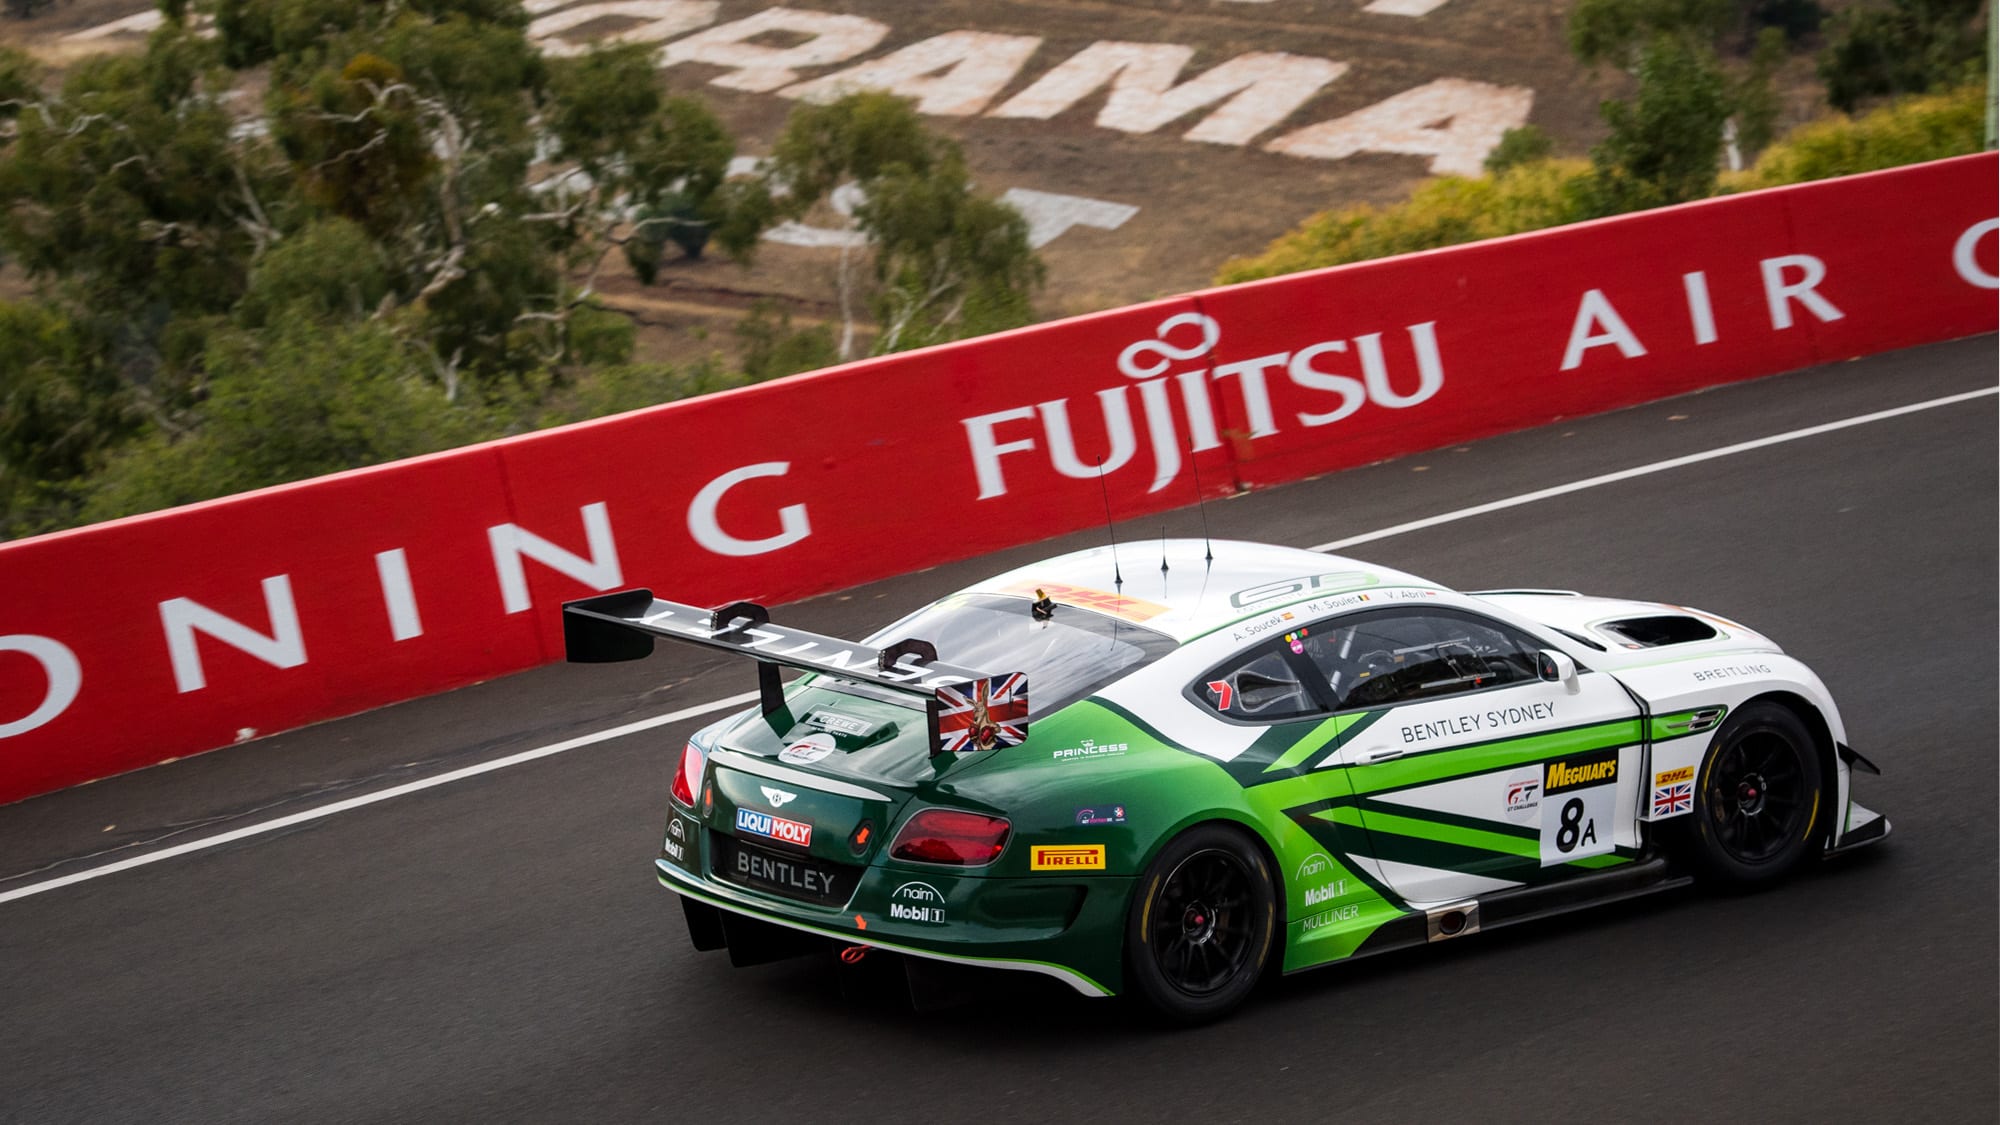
1670,800
983,714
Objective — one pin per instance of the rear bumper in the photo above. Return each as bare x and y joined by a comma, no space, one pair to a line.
1083,953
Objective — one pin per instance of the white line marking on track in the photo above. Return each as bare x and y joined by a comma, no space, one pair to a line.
365,799
554,748
1646,470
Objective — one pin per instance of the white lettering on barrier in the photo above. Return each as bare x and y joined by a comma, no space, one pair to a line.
180,618
793,524
393,569
951,75
1594,312
1779,293
599,570
64,674
1149,361
1965,263
1262,89
1700,312
1117,427
759,69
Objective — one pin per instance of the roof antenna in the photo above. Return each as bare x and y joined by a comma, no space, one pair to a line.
1117,578
1163,548
1207,547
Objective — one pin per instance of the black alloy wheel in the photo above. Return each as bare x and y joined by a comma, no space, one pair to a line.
1200,930
1758,801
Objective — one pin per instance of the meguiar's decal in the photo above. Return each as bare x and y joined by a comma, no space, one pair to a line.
1580,800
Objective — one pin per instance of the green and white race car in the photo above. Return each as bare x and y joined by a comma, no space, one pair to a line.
1159,781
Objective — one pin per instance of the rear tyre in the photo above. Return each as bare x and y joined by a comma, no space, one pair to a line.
1757,802
1199,932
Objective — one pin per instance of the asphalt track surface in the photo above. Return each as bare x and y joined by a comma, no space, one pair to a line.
495,949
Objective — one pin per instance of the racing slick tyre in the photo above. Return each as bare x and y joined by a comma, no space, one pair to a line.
1757,802
1200,928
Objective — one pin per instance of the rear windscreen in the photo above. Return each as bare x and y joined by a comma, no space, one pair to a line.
1066,658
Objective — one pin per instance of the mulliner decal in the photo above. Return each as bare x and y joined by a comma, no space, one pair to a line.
1066,857
1100,814
1579,799
917,902
807,750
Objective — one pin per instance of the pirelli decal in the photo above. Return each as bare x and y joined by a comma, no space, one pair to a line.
1581,772
1066,857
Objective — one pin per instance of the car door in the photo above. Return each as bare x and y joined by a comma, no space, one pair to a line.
1471,773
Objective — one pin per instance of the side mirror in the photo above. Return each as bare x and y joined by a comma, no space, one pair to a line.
1556,667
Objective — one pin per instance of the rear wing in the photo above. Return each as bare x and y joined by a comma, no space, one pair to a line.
964,709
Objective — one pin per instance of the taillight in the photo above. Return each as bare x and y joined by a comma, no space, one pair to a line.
688,775
946,836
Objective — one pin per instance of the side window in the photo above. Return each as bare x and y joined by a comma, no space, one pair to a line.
1401,657
1258,686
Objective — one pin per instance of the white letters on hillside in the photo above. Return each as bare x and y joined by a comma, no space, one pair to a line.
760,69
651,21
949,75
1263,89
1452,121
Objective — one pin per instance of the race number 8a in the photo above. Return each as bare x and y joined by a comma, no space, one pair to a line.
1577,818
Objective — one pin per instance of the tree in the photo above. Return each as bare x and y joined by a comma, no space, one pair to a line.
1656,153
305,397
946,263
1664,143
643,169
181,238
1910,47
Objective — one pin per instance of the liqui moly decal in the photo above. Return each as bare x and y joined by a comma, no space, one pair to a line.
1159,370
774,827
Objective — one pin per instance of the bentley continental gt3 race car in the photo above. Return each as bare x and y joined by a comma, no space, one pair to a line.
1159,781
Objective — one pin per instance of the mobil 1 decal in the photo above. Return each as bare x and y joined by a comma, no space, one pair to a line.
1579,799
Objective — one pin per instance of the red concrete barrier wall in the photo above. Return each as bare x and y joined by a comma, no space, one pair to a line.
148,638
